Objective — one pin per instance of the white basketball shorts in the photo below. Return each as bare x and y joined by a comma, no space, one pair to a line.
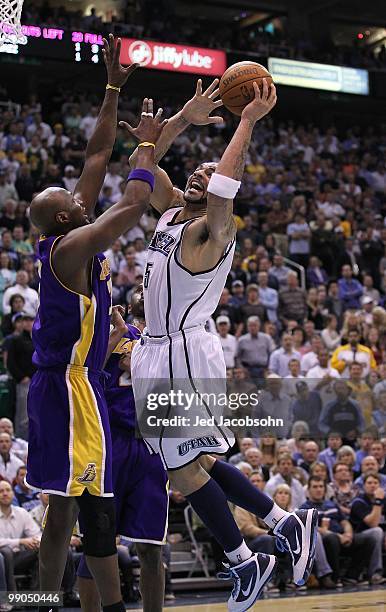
179,384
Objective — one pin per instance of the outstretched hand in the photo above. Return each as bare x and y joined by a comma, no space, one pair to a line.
117,75
149,128
198,109
262,104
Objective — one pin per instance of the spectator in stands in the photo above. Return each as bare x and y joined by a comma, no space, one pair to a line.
254,348
330,336
310,359
19,538
378,451
238,294
365,441
307,407
321,374
7,189
9,461
337,534
19,446
320,470
273,400
329,454
279,270
316,275
7,247
299,235
27,498
350,290
360,391
342,415
224,308
369,464
343,487
252,307
254,457
346,354
269,297
309,456
284,475
292,301
31,298
366,515
228,342
244,445
293,378
280,358
21,368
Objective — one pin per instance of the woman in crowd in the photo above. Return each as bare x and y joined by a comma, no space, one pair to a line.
330,335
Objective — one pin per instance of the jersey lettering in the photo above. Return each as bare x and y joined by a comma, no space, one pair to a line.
146,277
162,242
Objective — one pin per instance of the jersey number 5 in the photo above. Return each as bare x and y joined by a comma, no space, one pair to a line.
146,277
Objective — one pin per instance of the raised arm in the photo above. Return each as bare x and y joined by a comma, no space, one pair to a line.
100,145
196,111
77,247
206,238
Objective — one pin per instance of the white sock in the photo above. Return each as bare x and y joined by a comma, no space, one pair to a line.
240,554
275,516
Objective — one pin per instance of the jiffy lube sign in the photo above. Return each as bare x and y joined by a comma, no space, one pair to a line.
167,56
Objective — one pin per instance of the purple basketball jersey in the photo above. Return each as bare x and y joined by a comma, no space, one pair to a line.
118,391
71,328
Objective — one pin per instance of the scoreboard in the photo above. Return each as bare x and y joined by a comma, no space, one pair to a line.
56,44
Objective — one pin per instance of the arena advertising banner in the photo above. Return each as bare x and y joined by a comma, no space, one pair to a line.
319,76
176,58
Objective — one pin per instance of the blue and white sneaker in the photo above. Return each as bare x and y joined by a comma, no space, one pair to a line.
297,534
249,577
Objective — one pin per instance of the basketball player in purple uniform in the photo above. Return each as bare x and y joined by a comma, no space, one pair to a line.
69,435
188,261
140,483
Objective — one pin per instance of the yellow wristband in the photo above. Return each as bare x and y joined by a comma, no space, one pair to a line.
146,144
118,89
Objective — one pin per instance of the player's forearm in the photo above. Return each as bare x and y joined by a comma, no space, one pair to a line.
175,126
115,336
103,137
234,157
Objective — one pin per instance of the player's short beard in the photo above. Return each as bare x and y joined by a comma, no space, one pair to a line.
196,203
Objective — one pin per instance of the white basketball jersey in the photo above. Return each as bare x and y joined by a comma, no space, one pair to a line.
175,298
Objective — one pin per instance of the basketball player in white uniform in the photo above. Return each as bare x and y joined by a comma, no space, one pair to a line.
188,261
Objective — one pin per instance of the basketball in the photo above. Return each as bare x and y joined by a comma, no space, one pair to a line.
236,84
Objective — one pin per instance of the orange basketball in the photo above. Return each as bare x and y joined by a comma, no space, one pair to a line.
236,84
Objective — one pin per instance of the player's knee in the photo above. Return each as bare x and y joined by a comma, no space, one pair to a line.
99,531
207,462
150,557
188,478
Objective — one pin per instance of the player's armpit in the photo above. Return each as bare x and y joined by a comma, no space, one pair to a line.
199,252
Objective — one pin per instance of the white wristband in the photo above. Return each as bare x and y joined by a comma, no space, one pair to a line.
223,186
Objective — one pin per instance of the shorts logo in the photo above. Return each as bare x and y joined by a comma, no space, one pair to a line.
105,272
162,242
206,441
89,474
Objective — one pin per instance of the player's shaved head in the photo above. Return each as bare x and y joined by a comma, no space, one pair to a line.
55,211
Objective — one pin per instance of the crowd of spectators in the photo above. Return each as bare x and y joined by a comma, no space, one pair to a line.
311,201
157,21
